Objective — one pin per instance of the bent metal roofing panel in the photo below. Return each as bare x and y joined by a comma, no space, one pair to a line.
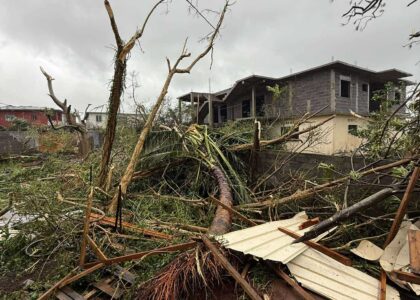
332,279
266,241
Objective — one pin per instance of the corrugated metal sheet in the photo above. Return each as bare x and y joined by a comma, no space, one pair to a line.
331,279
266,241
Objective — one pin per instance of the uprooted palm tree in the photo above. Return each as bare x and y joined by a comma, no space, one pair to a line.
208,150
199,269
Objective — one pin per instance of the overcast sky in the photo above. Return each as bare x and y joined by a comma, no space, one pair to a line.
73,41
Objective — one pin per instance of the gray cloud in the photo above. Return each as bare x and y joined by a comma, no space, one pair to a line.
73,40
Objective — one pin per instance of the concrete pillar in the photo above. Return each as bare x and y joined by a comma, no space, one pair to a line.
198,107
253,103
290,97
357,95
211,119
179,111
332,91
192,106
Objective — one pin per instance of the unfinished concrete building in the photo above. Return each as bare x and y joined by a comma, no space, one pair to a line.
336,88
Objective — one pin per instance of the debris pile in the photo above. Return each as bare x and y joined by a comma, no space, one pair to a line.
201,219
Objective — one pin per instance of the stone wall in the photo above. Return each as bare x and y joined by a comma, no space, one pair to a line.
303,162
20,142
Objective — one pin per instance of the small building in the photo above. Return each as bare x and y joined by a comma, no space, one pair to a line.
98,120
33,115
336,88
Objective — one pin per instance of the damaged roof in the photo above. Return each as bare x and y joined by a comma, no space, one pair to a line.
266,241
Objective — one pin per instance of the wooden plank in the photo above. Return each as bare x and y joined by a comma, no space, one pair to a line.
111,221
414,246
48,293
134,256
309,223
86,227
81,274
325,250
249,290
279,272
90,294
403,206
409,277
62,296
72,293
233,211
382,286
108,289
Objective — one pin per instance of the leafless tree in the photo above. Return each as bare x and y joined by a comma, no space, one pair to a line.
173,69
71,117
361,12
123,50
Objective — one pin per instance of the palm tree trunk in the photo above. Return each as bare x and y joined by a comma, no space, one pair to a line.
222,220
114,105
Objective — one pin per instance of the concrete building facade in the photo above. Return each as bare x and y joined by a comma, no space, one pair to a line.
336,88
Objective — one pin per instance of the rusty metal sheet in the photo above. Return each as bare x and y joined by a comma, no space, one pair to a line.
267,242
327,277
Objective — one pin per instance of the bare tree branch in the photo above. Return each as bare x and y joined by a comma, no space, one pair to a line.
209,46
138,34
71,118
128,174
114,27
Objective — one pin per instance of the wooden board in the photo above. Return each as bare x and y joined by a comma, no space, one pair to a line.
72,293
108,289
62,296
414,246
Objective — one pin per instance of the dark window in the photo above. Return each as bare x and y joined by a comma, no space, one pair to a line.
352,129
98,118
397,96
34,117
364,87
223,113
246,109
345,88
260,106
215,114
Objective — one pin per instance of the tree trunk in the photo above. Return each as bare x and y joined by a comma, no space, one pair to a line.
345,214
84,146
114,105
222,220
129,171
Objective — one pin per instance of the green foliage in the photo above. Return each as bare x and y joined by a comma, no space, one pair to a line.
401,172
277,91
354,175
19,125
202,148
389,135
